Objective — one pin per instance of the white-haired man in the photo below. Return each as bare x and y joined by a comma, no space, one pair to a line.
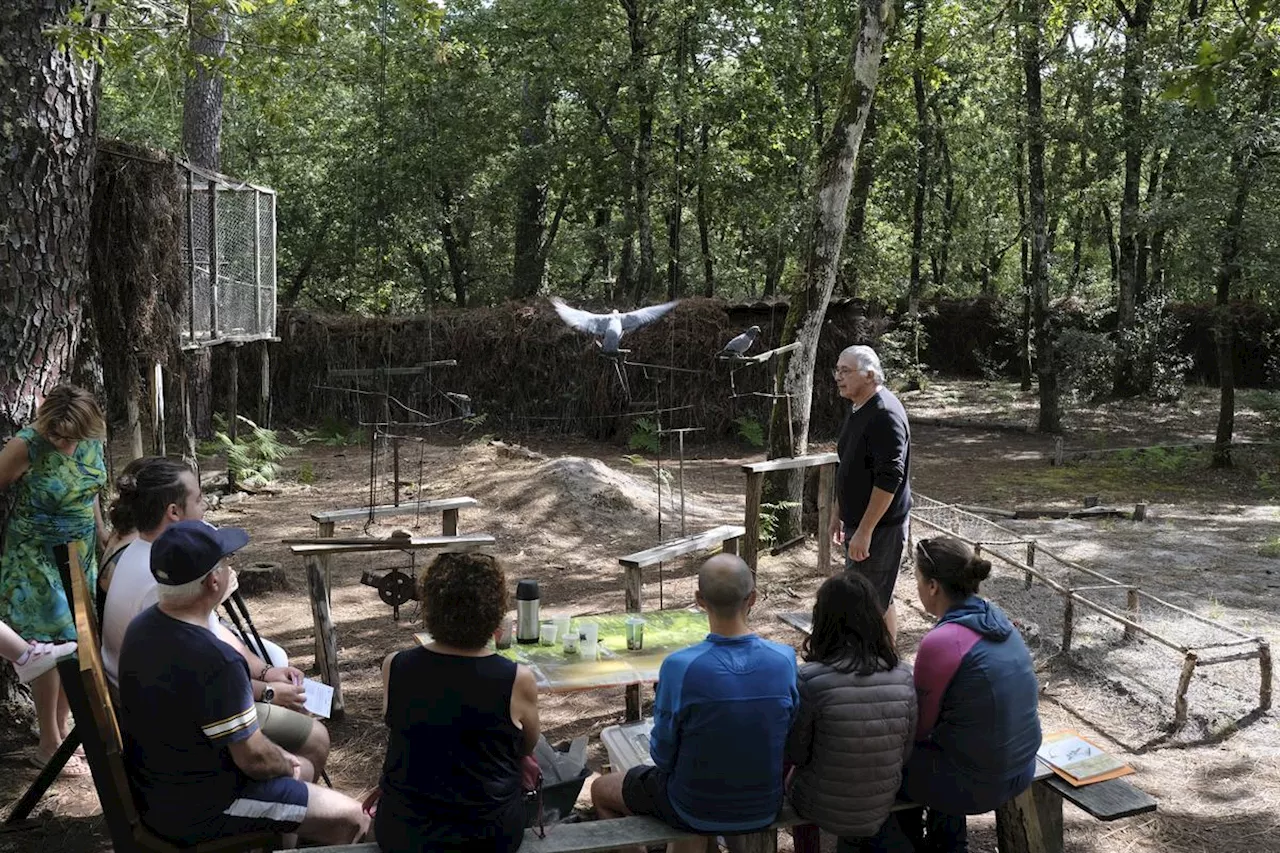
201,767
873,480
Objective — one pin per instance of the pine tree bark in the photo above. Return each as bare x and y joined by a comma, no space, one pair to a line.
859,195
704,217
1030,32
922,169
825,229
530,263
640,18
48,129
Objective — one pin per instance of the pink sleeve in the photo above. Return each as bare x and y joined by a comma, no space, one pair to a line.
941,652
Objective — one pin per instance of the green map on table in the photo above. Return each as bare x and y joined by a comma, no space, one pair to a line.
665,631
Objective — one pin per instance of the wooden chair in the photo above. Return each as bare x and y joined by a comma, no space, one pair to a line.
85,681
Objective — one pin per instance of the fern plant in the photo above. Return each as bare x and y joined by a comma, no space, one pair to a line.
644,436
750,430
253,458
770,518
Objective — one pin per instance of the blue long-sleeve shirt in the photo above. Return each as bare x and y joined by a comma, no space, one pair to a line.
720,722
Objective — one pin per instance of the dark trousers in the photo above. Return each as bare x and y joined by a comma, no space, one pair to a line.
932,831
888,839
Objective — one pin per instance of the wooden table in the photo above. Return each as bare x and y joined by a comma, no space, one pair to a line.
665,631
315,558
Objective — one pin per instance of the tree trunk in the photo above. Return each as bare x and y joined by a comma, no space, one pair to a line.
859,195
704,218
1244,168
675,216
639,20
1134,138
940,260
49,105
529,266
1024,269
922,169
1113,253
456,239
1030,36
825,236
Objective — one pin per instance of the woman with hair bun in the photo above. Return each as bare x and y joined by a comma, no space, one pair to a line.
979,724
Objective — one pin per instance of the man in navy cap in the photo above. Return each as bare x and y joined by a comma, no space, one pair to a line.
201,767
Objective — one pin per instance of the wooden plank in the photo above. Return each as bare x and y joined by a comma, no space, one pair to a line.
790,463
826,493
751,518
464,542
323,620
449,522
684,545
1031,822
362,513
418,370
1107,801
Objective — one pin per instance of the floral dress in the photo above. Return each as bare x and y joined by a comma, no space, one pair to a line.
54,505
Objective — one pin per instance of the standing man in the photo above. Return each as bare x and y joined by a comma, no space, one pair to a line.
873,480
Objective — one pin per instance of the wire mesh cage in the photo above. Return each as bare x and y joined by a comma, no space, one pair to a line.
229,258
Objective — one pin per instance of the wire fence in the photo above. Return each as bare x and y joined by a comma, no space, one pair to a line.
229,258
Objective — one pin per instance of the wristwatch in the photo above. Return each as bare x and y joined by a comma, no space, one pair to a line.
268,694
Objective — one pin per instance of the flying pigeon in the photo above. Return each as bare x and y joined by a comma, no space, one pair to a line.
738,346
610,326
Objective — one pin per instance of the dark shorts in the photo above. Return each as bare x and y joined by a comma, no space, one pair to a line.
273,805
884,562
644,790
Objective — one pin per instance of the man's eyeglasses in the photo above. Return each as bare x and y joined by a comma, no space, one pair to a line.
842,372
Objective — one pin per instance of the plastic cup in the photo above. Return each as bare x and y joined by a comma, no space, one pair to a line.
502,636
589,649
635,634
562,625
547,636
590,631
570,642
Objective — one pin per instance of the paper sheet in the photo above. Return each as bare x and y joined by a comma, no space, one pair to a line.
319,697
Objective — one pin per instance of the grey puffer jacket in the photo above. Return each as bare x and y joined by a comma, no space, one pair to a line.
849,741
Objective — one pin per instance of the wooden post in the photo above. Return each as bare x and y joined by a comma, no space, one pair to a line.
213,260
133,416
1031,561
1068,621
1264,667
826,490
264,388
1092,501
327,643
631,586
764,841
1139,512
191,258
395,472
1031,822
1057,450
188,425
449,522
1132,601
1180,698
731,546
751,521
325,532
257,267
157,408
233,423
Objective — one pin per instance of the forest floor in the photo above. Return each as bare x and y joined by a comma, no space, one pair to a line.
1211,544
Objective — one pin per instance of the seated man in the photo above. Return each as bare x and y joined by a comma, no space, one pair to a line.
199,764
154,493
720,722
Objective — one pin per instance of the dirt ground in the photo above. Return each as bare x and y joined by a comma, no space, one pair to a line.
1211,545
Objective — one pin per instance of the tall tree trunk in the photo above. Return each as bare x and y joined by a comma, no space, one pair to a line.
940,259
202,144
529,266
675,216
1024,267
704,216
825,236
49,109
640,19
1244,168
859,195
922,170
1134,138
456,237
1113,252
1030,32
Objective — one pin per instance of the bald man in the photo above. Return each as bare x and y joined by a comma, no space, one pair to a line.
720,722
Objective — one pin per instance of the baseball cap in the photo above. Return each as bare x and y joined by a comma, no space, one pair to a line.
189,550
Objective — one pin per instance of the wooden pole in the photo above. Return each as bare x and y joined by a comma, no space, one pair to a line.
1180,698
233,423
751,521
157,409
191,258
188,425
826,490
1031,822
213,260
1068,621
257,267
1264,666
327,660
631,583
1031,561
264,388
395,472
133,415
1132,603
325,532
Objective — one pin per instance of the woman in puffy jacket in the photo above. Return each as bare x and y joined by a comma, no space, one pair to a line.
856,721
979,725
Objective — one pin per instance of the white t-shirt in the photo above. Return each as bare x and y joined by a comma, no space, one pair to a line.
133,590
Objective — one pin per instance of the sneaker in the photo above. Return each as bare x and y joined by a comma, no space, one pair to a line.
42,658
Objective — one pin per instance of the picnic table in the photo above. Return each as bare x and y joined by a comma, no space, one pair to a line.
665,631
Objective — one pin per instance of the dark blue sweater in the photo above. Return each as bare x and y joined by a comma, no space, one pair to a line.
875,452
720,723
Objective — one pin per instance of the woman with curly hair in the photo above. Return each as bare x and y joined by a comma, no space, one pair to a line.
461,719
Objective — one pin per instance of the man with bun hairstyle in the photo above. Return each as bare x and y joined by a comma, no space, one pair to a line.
197,760
979,725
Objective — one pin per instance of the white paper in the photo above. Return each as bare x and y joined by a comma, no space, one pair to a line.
319,697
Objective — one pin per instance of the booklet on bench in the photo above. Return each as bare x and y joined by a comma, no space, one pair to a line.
1079,760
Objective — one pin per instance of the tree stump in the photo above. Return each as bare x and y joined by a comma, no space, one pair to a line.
257,578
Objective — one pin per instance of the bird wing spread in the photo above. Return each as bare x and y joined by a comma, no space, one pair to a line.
633,320
595,324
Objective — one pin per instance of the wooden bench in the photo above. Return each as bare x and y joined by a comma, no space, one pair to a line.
85,680
315,558
447,507
826,464
633,566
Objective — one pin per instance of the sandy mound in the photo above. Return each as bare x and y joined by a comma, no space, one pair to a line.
594,484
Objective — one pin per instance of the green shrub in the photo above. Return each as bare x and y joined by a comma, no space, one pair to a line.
750,430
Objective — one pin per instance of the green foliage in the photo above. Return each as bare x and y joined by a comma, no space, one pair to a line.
1270,548
771,519
306,473
331,433
750,430
1163,460
899,351
644,436
254,457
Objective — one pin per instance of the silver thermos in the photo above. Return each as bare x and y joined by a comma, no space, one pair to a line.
528,604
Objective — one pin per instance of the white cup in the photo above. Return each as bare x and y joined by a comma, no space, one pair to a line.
590,631
547,636
562,625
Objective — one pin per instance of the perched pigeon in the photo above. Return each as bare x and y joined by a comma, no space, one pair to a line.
739,345
610,326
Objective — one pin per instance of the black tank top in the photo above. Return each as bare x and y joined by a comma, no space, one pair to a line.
453,762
